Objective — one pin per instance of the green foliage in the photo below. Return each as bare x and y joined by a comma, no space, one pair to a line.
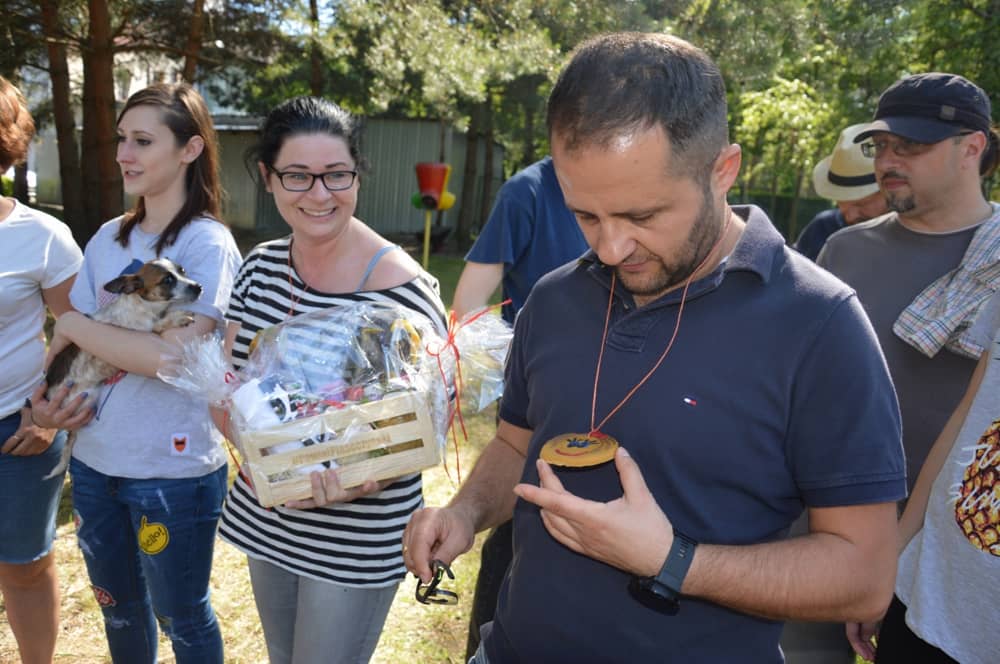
439,58
959,37
782,124
6,186
797,71
830,61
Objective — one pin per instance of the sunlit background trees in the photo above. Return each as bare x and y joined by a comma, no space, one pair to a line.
797,71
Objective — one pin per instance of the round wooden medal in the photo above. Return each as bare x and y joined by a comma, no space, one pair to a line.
579,450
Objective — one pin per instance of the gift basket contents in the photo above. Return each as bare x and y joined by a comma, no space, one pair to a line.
368,389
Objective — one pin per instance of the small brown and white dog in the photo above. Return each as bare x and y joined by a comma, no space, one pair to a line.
144,303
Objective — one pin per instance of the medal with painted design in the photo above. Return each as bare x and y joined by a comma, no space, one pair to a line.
579,450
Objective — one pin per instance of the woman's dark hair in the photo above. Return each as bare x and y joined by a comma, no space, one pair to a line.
631,81
183,111
304,115
16,125
991,155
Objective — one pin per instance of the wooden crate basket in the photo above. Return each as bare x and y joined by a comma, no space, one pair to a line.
399,440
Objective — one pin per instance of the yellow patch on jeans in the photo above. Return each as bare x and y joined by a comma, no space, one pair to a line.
153,537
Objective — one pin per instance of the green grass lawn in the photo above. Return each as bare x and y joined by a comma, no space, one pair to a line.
447,269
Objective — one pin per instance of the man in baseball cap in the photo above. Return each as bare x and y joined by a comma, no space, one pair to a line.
922,273
928,108
846,177
915,115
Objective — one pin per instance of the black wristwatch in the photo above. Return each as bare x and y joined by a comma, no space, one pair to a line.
662,592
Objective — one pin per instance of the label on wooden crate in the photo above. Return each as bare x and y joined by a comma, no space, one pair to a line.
320,453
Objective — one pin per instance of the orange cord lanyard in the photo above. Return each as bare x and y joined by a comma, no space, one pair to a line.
595,429
292,296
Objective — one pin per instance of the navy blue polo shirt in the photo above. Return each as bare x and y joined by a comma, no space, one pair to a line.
819,228
774,397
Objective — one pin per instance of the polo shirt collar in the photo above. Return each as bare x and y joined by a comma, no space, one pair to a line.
757,251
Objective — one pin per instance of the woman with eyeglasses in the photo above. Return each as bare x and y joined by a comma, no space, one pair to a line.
324,571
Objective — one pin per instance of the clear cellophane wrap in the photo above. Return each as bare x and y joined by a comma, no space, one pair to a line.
368,388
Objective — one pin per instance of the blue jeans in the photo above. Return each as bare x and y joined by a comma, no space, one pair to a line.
148,548
479,657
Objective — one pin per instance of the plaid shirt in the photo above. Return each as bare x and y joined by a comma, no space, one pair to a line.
941,315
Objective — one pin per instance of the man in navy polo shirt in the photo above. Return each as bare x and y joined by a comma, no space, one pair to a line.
744,382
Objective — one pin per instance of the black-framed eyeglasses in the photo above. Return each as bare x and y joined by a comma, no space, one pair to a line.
902,147
431,593
299,181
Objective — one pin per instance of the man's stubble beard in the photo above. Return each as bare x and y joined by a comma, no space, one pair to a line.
702,238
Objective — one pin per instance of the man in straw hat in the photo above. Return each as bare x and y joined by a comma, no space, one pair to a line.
658,432
846,177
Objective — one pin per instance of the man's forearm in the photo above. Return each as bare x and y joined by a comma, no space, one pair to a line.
487,496
475,286
820,576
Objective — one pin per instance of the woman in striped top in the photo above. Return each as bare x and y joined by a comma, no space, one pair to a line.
324,570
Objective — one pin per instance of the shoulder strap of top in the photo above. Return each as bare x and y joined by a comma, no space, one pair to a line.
372,263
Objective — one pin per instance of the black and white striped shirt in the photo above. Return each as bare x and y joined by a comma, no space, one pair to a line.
356,543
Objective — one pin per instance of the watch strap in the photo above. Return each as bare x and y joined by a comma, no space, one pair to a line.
677,564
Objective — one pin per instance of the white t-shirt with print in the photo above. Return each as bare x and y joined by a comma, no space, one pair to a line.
949,573
145,428
37,252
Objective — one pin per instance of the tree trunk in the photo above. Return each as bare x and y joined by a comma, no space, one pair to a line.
748,169
793,212
70,177
486,200
102,179
192,49
528,156
467,202
772,209
315,54
746,180
21,183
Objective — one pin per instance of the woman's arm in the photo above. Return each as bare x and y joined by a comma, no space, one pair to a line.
860,634
132,351
220,417
57,297
31,437
913,516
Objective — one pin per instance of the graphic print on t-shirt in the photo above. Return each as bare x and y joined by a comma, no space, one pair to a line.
103,296
977,496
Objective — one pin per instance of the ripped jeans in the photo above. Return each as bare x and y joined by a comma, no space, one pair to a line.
148,548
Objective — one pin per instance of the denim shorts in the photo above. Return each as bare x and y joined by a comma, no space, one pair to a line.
29,503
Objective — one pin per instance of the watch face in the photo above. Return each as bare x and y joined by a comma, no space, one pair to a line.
653,595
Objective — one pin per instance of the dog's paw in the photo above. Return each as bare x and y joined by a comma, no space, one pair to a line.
174,318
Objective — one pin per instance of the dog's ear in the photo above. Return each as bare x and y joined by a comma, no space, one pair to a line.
125,284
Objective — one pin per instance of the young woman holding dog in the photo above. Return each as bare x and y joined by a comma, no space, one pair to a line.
39,259
325,570
149,472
